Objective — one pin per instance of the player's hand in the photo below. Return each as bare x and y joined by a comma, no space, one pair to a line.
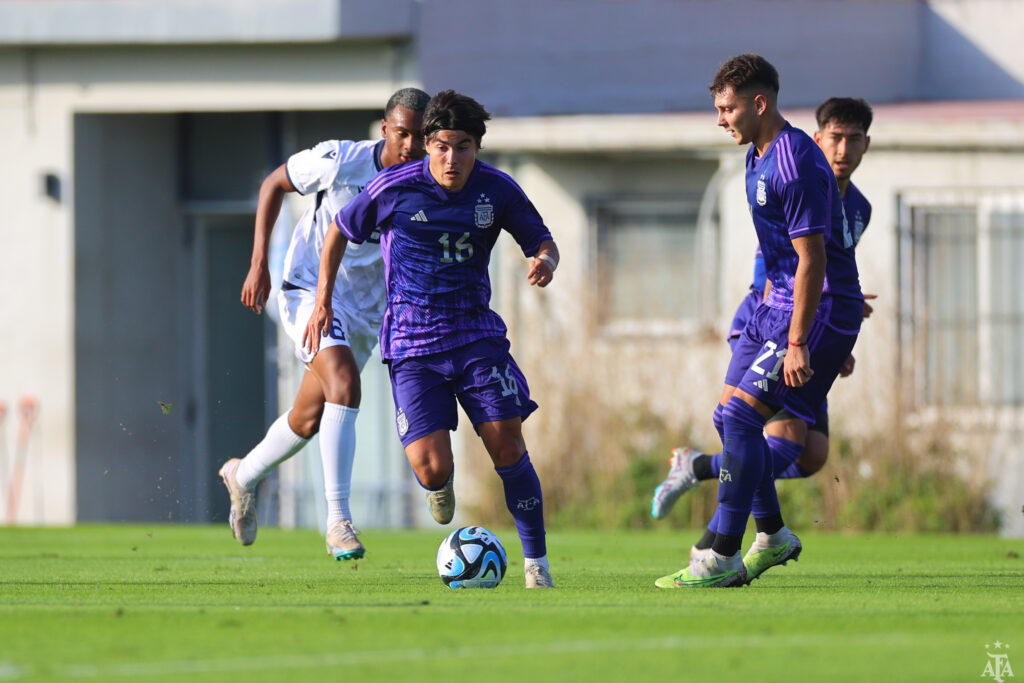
317,327
847,367
868,308
256,288
541,273
796,367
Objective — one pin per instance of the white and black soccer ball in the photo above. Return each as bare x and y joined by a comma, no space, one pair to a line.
471,557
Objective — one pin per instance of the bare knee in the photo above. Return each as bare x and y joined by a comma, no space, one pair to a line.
815,453
504,441
336,371
431,459
304,420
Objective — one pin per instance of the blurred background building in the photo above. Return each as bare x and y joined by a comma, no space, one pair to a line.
135,135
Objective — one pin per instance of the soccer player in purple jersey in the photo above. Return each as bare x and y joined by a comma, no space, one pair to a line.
798,449
792,349
438,221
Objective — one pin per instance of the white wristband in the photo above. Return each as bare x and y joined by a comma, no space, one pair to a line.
548,259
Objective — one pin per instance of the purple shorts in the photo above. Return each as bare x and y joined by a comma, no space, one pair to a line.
743,312
756,365
481,376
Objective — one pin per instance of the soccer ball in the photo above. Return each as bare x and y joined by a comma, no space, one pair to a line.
471,557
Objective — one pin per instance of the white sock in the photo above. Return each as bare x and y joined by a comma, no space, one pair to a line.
542,561
337,453
278,445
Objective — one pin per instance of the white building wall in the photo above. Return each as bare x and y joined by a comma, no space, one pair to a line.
41,88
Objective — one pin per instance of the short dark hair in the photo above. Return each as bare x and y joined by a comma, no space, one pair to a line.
743,72
449,110
851,110
410,98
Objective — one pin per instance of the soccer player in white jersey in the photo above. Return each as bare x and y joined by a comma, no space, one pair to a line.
328,397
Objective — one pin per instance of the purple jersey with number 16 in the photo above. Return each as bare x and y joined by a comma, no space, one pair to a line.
793,193
437,245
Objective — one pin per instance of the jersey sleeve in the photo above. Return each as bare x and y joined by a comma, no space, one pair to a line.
805,200
522,220
358,220
315,169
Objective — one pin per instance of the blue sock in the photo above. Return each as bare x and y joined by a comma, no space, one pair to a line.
794,471
744,460
716,464
784,455
718,420
524,500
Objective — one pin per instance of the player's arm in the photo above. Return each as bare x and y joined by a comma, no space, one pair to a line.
320,321
807,287
256,287
542,268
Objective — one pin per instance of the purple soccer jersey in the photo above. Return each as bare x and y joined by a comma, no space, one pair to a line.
437,245
793,193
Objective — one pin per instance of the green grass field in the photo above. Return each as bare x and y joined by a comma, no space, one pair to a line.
161,602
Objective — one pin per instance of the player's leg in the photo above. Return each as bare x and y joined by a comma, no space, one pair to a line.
285,437
689,466
828,349
814,437
496,398
425,413
336,370
523,496
433,463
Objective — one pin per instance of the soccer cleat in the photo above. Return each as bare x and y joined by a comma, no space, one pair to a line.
538,577
680,479
442,502
343,541
243,504
767,551
710,571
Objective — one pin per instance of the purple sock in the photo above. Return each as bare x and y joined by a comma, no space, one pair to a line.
525,501
744,461
794,471
716,464
784,454
718,420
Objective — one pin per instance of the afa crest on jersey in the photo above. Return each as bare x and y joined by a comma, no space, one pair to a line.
762,192
484,214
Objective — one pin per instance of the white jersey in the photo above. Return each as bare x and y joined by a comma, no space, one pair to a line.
336,170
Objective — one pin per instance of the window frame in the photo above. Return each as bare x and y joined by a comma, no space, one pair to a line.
704,254
912,312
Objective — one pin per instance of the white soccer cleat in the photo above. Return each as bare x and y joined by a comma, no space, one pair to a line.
343,541
768,551
680,479
442,502
243,504
538,577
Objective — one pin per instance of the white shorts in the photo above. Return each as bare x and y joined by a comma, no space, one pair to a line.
296,307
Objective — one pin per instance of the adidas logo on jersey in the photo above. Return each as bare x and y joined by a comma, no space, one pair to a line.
762,384
420,217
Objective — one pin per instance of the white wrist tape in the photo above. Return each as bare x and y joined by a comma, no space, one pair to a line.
550,260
